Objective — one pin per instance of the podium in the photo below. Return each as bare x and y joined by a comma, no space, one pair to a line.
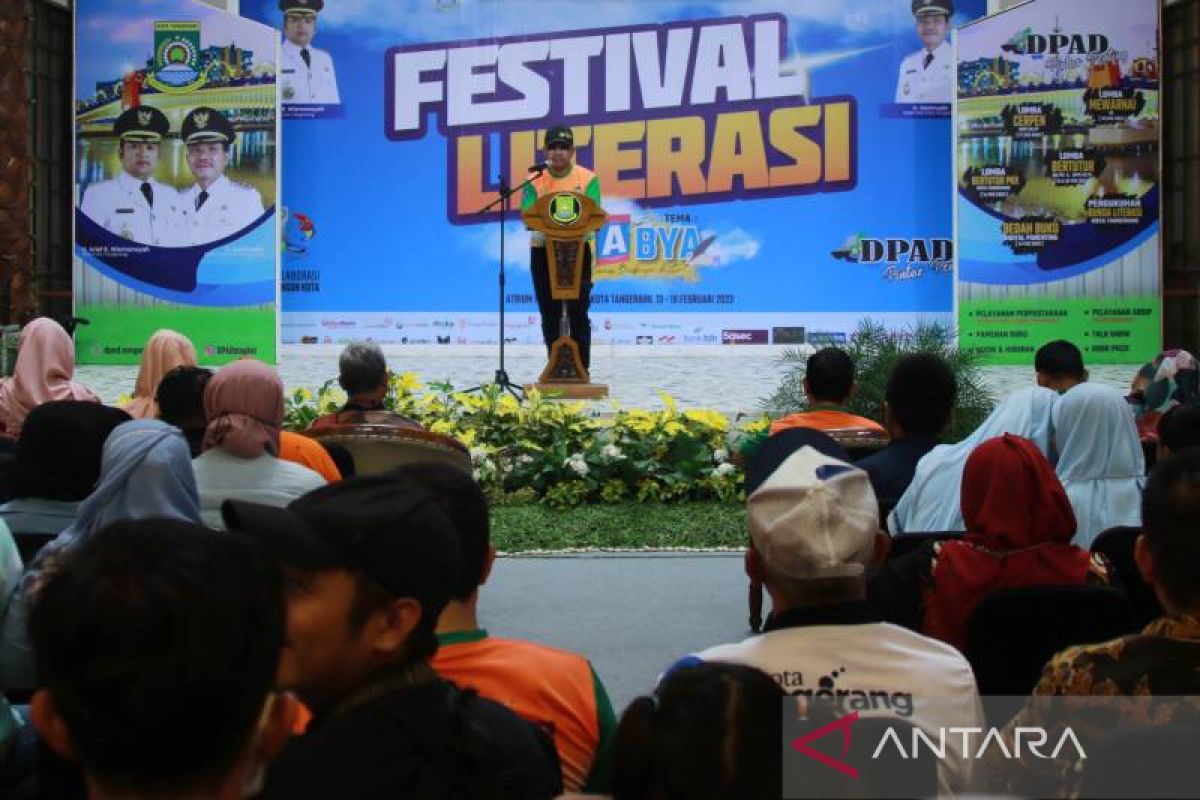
566,219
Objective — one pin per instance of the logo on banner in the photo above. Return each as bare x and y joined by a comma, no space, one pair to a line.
176,67
903,259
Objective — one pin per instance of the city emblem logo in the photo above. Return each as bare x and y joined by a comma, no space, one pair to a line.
176,68
565,208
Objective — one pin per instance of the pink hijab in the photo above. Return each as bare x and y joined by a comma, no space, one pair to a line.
165,351
45,366
244,406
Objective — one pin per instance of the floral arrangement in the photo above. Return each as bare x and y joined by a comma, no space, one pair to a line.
561,454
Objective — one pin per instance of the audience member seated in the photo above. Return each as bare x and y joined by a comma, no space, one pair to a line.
243,404
157,647
306,452
1059,366
829,385
917,404
553,688
1019,528
1161,661
932,501
709,732
165,351
1100,461
43,372
814,530
180,400
363,374
145,473
1172,379
10,575
369,564
58,463
1178,430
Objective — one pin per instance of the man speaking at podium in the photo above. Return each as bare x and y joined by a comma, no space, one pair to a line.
562,175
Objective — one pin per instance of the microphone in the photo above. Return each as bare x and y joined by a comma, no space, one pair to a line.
539,168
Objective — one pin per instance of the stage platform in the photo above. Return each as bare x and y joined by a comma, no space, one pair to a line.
729,379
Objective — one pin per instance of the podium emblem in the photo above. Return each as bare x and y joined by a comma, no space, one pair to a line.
565,208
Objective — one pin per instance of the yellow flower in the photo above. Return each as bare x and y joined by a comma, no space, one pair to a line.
303,395
467,437
331,399
669,402
673,428
508,405
443,426
711,419
124,399
407,382
759,425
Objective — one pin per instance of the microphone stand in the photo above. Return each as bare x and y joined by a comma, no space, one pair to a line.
504,191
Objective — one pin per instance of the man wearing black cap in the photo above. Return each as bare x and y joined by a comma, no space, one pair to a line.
368,565
215,206
134,205
562,175
927,76
306,73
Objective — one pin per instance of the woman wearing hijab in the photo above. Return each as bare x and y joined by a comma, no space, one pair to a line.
1019,528
58,463
244,406
1100,461
931,502
165,351
45,366
145,472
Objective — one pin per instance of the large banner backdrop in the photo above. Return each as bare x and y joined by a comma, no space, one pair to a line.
773,171
172,233
1058,180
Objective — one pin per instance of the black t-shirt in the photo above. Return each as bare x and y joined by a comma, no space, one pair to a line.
432,741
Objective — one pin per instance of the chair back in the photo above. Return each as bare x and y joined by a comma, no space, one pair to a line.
1012,633
379,448
1116,544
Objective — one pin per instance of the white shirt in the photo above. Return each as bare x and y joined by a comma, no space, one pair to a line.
222,476
230,207
119,206
918,83
302,83
903,668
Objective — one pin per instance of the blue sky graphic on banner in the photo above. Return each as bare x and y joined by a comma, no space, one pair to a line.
753,159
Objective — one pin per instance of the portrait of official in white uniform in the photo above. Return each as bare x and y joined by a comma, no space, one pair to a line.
927,76
215,207
134,205
306,73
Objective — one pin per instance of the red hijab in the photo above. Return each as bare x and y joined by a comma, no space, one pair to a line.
1019,528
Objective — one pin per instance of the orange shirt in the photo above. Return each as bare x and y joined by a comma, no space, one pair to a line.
308,453
826,420
547,686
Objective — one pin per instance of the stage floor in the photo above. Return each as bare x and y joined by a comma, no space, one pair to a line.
729,379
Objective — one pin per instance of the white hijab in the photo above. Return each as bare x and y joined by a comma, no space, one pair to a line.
1100,461
933,500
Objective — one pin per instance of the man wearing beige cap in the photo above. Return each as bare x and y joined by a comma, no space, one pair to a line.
814,530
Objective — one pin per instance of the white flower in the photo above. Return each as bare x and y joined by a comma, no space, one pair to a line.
478,455
578,464
720,456
612,451
724,469
524,459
